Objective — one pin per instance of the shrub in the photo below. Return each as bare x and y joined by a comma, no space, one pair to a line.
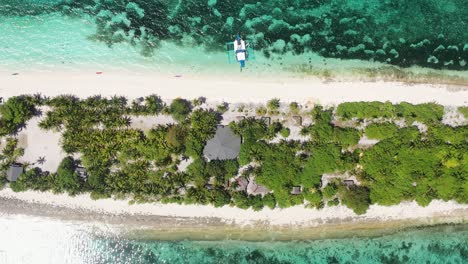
365,110
356,198
285,132
294,107
269,201
261,111
223,107
381,130
333,202
273,104
67,179
15,112
463,110
330,190
346,137
202,127
154,104
180,109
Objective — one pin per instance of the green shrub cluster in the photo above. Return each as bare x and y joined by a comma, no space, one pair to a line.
381,130
120,161
15,112
425,113
463,110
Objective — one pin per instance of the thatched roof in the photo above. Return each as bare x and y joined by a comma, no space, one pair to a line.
255,189
241,184
296,190
224,145
14,172
349,183
297,120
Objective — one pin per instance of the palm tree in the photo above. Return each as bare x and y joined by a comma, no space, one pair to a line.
41,160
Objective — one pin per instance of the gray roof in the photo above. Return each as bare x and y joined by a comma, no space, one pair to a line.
224,145
254,188
14,172
296,190
82,172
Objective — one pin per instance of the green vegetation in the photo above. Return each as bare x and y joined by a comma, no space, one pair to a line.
425,113
294,107
180,109
285,132
15,112
67,179
10,153
356,198
122,161
381,130
273,104
463,110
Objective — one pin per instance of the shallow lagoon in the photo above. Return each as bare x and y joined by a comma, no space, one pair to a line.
28,239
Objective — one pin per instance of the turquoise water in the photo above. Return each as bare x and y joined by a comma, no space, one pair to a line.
432,245
189,36
28,239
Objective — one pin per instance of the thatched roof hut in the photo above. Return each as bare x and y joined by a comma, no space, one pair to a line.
296,190
14,172
225,145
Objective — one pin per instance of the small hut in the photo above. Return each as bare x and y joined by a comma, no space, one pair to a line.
240,118
296,190
266,120
82,173
349,183
255,189
14,172
181,191
225,145
241,184
297,120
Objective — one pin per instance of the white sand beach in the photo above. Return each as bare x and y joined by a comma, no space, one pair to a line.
294,216
231,89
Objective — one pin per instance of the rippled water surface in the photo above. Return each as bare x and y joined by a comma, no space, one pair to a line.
190,35
39,240
182,36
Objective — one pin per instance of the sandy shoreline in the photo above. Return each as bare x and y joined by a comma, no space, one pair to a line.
170,216
232,89
155,225
183,219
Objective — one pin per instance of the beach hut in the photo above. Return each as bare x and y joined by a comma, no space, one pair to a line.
256,189
240,118
241,184
82,173
181,191
296,190
266,120
349,183
225,145
14,172
297,120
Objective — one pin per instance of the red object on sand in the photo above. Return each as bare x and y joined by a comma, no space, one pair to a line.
98,72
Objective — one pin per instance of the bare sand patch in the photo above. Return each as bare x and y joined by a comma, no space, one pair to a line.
38,143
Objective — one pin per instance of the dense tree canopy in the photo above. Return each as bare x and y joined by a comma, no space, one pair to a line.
147,165
15,112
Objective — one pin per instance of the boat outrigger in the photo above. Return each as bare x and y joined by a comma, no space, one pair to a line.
241,50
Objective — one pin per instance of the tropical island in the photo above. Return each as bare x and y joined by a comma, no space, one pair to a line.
274,155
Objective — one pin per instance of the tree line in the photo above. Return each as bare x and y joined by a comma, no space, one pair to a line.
121,161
